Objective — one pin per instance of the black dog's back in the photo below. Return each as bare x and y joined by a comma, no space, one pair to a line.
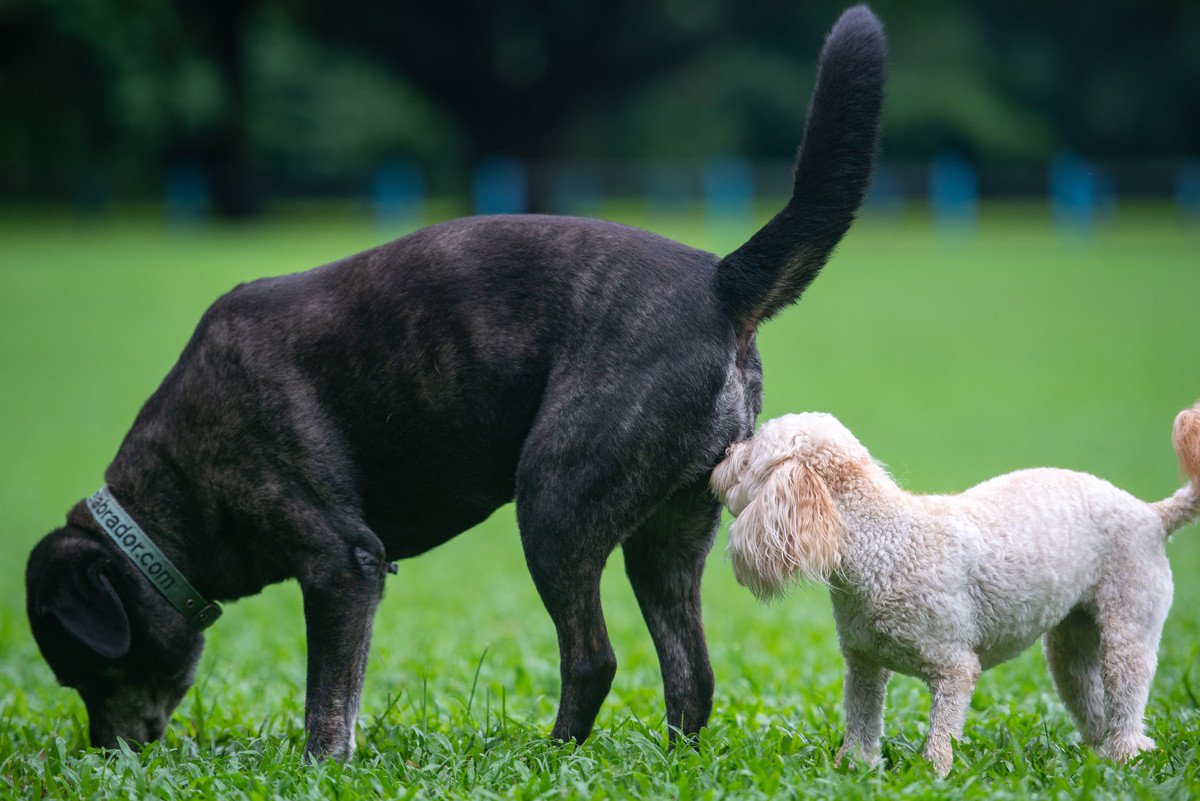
418,367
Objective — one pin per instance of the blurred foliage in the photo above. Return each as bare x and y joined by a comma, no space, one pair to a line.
102,98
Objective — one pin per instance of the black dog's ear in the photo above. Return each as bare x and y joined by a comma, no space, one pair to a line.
90,609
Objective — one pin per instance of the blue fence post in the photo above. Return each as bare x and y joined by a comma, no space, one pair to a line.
94,196
500,186
576,190
1072,192
186,195
1187,190
728,190
398,193
885,195
953,192
667,188
1106,194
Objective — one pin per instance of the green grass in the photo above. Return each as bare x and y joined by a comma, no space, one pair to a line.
952,358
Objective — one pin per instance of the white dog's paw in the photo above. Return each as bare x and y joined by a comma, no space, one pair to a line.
940,756
1125,747
858,754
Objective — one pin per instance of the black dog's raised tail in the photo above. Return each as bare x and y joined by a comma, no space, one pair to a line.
832,171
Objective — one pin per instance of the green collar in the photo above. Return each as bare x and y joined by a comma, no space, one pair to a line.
147,558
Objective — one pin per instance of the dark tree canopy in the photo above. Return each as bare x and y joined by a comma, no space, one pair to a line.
309,96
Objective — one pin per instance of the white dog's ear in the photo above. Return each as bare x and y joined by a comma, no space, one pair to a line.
791,529
726,480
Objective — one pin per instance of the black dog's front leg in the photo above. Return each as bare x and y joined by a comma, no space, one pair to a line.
340,597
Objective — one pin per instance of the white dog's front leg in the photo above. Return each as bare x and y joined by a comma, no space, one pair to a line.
863,698
951,690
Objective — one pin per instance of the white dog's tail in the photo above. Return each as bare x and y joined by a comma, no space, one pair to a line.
1184,506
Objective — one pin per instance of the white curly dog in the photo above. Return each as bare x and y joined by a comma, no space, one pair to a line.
943,586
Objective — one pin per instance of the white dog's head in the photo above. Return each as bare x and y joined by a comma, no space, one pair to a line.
777,485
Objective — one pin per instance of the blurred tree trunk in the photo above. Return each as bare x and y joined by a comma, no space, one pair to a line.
223,147
235,191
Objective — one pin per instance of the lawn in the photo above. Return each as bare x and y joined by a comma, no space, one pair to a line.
953,355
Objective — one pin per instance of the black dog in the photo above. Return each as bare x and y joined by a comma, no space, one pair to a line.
318,425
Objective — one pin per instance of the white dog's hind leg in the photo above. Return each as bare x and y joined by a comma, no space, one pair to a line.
1073,656
951,688
1131,612
1128,668
863,697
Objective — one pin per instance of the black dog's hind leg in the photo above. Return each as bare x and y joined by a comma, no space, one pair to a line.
600,466
566,568
341,587
665,562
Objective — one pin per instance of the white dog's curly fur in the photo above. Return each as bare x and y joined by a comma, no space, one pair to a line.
942,587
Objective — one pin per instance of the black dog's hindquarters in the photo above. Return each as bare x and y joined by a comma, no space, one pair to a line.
320,424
